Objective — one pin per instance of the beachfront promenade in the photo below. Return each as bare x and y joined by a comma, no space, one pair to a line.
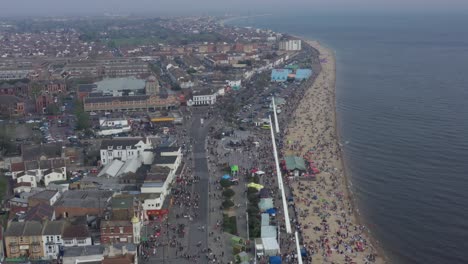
328,222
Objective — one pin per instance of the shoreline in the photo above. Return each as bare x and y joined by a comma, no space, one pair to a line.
327,80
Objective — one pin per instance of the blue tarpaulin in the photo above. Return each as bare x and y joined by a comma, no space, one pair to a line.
303,252
275,260
271,211
226,177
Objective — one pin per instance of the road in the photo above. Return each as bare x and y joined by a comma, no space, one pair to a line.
199,134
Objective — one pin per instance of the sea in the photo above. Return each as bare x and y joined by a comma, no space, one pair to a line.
402,108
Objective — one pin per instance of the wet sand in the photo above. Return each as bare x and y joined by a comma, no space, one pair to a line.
330,226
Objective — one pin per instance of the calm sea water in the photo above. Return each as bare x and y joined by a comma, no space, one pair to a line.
402,99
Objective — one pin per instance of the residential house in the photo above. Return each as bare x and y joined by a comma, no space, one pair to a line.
48,197
24,239
121,231
52,238
76,235
11,106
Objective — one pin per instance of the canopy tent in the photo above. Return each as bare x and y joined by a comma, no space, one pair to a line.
265,204
275,260
255,185
295,163
234,168
235,240
243,257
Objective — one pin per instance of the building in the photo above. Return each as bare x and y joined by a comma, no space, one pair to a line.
52,238
280,75
47,197
40,213
204,97
76,235
152,86
113,126
15,74
43,101
291,45
75,203
121,231
117,168
35,171
125,149
86,254
130,103
24,239
11,105
303,74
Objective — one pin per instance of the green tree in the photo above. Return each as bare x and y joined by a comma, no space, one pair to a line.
227,204
228,193
82,118
52,109
225,183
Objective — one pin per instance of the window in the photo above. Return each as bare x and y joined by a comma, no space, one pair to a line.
112,230
121,230
103,160
81,241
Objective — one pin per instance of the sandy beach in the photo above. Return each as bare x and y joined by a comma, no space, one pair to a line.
326,214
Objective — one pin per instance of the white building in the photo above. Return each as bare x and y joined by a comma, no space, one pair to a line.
158,182
55,175
52,238
206,97
33,172
125,149
291,45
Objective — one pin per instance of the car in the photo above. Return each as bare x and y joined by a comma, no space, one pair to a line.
8,173
92,113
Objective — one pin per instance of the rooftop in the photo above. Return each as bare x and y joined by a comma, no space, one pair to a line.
118,84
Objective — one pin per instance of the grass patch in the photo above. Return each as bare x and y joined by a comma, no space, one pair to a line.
230,224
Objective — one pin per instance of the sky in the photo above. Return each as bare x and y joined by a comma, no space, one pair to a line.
197,7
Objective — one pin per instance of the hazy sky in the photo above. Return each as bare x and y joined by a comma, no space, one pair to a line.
170,7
